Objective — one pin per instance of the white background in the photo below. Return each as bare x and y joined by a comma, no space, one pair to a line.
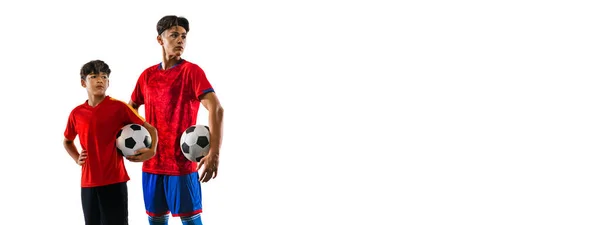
347,112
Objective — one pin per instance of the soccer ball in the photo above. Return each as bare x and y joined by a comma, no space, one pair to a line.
195,142
131,138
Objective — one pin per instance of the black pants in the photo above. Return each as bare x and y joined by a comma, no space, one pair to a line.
105,205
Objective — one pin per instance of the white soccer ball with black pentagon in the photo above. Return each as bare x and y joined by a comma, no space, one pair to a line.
131,138
195,142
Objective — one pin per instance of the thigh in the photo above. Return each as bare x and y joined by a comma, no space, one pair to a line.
154,194
114,204
183,194
90,205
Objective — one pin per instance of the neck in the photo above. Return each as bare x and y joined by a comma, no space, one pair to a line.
94,100
170,61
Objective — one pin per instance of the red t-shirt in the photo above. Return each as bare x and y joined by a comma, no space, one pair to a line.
171,100
97,128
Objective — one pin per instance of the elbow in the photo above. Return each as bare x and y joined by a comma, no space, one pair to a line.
150,128
217,111
220,111
67,142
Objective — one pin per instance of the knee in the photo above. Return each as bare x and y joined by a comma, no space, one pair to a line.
159,219
191,220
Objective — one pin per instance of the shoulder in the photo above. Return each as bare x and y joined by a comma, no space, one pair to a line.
116,101
192,70
190,66
150,69
120,104
79,107
77,112
188,63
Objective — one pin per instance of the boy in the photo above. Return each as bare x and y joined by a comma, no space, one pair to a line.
172,92
97,122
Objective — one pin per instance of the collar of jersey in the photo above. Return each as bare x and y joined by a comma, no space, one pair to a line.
176,64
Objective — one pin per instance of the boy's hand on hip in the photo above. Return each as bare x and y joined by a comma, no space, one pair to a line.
81,160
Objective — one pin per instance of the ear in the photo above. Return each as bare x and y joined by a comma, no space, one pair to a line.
159,39
82,82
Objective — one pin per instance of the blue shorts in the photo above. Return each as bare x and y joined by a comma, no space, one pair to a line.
178,195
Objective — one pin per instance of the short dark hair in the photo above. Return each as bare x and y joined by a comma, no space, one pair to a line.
94,67
169,21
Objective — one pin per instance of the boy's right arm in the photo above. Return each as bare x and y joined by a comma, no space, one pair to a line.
72,150
70,134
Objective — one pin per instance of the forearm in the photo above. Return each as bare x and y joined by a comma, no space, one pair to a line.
215,123
153,134
71,150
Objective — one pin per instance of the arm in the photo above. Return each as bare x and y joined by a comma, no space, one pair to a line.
210,101
204,92
154,135
72,151
215,123
146,153
131,116
70,134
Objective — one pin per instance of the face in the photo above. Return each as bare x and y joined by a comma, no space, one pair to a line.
96,84
173,40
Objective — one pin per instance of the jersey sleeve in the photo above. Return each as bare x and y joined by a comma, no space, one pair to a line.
131,116
137,96
70,131
199,82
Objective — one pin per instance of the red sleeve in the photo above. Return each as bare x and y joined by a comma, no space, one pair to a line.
70,132
138,92
200,83
131,116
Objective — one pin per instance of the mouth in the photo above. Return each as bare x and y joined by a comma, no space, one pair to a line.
100,87
178,48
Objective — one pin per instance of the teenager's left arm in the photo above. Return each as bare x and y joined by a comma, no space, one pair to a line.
210,101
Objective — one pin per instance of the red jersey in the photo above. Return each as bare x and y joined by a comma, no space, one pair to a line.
97,128
171,100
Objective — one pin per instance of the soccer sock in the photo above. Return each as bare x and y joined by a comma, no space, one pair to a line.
159,220
191,220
